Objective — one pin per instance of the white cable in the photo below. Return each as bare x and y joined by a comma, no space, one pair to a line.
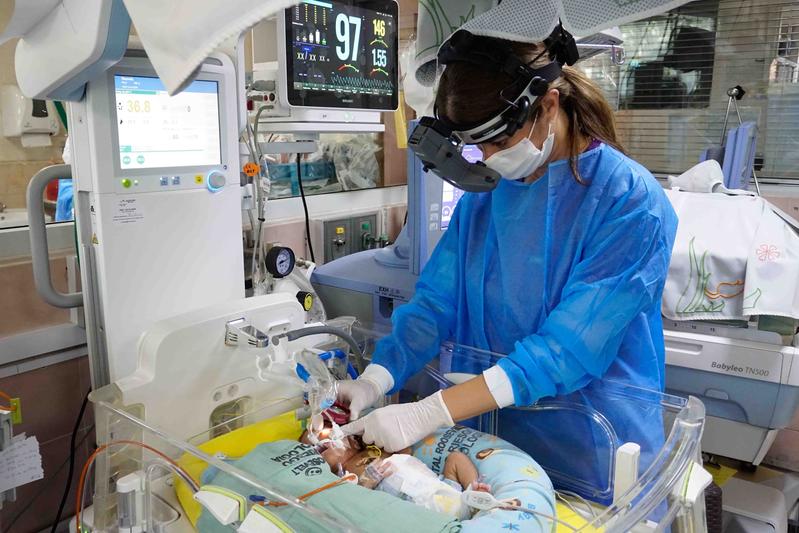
255,266
255,132
561,495
484,501
246,140
255,271
263,186
543,515
568,504
261,190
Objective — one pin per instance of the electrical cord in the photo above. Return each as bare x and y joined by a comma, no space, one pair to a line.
72,446
46,485
10,408
305,208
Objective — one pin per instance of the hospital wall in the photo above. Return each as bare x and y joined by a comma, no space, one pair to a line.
18,164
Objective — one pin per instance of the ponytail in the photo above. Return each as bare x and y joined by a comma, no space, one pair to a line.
588,113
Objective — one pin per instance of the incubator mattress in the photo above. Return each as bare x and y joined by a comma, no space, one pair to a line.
296,469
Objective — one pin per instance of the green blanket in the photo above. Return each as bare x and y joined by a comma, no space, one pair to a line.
295,469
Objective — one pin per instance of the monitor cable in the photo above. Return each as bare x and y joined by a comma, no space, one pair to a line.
305,208
72,448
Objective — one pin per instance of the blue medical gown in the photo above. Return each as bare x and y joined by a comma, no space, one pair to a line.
571,295
64,202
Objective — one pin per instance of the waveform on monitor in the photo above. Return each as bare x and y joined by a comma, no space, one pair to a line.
360,83
348,66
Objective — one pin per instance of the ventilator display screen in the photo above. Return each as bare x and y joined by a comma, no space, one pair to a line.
342,54
451,195
156,130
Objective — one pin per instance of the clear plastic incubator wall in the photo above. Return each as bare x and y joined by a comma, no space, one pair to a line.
213,386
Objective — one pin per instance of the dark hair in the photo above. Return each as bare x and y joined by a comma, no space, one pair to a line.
469,94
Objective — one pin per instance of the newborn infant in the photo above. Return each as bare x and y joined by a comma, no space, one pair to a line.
405,476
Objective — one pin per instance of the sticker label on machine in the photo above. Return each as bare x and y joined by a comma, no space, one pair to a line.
393,293
128,211
724,358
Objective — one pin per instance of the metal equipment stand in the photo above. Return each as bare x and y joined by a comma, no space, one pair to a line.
733,95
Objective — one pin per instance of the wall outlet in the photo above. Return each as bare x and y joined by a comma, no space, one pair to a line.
365,233
337,238
345,234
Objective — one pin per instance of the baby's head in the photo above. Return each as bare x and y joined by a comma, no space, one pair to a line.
334,456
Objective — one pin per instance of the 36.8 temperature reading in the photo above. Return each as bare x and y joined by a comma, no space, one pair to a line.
135,106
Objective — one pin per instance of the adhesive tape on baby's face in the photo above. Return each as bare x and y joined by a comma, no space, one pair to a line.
330,437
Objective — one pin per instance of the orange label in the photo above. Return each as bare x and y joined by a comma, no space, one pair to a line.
251,169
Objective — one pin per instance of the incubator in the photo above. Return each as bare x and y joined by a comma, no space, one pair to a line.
203,398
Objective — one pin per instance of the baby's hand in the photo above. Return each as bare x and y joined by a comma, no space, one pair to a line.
374,473
385,468
480,487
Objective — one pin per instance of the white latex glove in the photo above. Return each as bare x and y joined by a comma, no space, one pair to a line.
363,392
396,427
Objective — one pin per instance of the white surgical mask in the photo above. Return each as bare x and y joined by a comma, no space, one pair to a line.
523,158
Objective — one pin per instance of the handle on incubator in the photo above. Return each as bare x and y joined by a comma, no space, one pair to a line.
42,276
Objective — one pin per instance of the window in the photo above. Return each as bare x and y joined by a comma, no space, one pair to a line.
671,92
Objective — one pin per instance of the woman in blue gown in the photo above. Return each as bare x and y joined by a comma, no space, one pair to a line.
561,267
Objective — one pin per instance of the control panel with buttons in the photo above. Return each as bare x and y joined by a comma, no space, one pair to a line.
213,180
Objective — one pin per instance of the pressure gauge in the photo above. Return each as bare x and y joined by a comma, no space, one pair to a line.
280,261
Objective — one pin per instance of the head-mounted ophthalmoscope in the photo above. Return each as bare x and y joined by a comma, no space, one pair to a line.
438,142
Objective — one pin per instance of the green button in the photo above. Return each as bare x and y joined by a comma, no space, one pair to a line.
365,226
126,183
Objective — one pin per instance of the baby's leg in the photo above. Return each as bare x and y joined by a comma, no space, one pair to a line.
459,468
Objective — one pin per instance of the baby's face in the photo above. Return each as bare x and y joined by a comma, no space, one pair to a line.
336,456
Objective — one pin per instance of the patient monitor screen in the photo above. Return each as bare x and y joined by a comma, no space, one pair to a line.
342,54
156,130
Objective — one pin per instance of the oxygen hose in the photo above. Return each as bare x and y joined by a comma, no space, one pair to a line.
329,330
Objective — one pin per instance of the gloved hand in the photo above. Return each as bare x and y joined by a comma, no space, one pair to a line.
363,392
396,427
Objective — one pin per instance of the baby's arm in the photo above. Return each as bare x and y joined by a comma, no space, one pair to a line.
458,467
